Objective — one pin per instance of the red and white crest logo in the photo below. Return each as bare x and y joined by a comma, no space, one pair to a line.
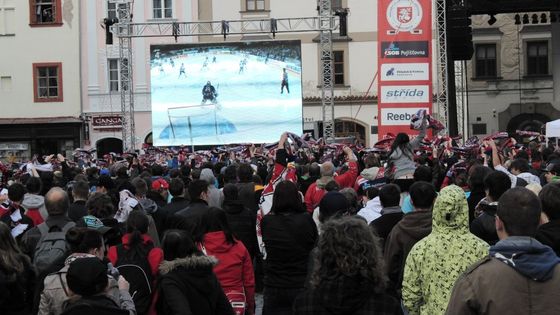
404,14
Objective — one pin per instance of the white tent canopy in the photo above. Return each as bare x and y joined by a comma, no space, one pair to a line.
553,129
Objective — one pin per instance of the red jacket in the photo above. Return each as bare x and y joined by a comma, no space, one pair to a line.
314,194
234,269
155,256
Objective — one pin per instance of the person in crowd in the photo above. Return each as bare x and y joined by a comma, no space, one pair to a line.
372,205
519,169
241,219
401,157
57,203
371,176
289,234
477,174
145,204
193,218
138,250
521,275
352,197
313,174
178,203
235,268
34,202
159,192
187,283
80,193
347,277
435,262
87,287
549,232
100,205
215,198
316,190
483,226
333,204
104,184
17,276
246,186
14,214
391,213
422,173
83,243
413,227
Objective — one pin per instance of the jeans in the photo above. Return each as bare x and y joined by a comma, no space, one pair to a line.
279,301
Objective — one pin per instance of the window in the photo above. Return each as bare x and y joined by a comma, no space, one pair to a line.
485,61
255,5
112,9
338,67
47,82
5,83
163,9
114,75
45,12
7,17
344,128
479,129
537,58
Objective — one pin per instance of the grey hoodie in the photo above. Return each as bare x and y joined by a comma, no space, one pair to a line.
31,201
215,197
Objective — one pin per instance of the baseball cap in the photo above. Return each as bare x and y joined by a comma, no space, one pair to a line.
93,223
87,276
160,183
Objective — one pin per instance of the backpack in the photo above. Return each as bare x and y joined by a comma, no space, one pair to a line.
52,245
138,273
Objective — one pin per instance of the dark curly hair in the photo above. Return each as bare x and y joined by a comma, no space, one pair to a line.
348,247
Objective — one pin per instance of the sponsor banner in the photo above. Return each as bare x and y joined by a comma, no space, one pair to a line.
404,61
402,49
106,122
398,116
405,72
405,94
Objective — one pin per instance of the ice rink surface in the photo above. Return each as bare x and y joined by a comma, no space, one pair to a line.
250,107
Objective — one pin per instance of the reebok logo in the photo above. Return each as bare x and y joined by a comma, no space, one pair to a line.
398,116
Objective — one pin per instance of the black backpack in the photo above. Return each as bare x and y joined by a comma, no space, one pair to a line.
137,271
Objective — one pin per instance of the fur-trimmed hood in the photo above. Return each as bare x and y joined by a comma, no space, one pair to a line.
190,262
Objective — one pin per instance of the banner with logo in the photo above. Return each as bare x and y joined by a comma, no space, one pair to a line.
404,63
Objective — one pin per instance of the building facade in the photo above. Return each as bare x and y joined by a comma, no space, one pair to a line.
39,77
510,79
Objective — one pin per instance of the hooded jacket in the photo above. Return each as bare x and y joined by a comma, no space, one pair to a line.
316,191
484,226
55,290
370,177
436,261
234,269
372,210
549,234
155,256
35,204
520,276
413,227
215,197
402,162
346,296
188,286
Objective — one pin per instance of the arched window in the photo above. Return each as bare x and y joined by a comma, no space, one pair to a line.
108,145
348,128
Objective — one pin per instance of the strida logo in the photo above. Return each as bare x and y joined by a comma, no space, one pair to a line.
405,94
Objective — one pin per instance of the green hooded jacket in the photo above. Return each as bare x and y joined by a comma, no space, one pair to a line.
435,262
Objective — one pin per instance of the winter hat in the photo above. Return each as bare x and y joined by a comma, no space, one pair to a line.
87,276
331,204
93,223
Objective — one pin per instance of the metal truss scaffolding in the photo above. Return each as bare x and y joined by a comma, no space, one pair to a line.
126,30
461,97
442,64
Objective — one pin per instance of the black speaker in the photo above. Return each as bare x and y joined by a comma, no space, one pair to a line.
459,33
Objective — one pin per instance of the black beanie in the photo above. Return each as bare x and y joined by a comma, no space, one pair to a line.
333,203
87,276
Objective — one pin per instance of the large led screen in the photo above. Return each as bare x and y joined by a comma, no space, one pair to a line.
205,94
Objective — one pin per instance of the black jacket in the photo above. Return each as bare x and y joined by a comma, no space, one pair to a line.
473,201
549,234
385,223
193,219
77,210
288,239
189,286
242,222
16,290
484,226
346,296
166,213
247,195
93,305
